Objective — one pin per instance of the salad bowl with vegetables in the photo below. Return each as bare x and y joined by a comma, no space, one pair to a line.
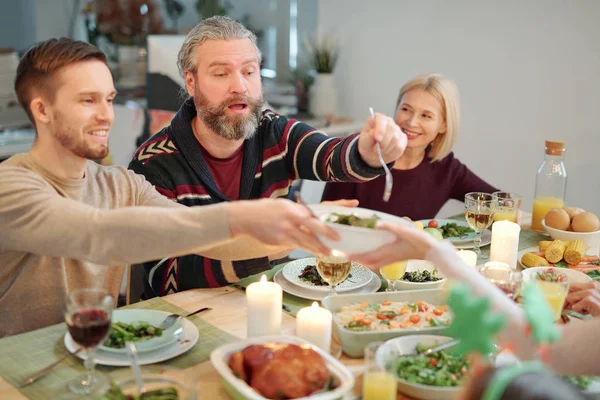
420,274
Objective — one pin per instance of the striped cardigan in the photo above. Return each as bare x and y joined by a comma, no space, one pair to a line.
281,151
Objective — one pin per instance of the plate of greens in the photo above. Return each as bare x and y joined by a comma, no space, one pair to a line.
303,272
140,327
454,230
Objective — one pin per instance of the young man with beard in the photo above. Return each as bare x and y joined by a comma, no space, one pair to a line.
68,222
220,147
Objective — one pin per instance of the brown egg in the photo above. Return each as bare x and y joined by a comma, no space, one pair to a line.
558,218
586,222
573,211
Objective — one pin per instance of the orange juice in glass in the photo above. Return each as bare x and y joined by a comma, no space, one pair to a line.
541,206
392,273
379,381
555,294
507,206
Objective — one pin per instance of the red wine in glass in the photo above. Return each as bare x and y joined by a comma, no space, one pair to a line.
89,327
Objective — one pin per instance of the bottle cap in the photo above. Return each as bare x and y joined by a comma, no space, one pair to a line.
555,147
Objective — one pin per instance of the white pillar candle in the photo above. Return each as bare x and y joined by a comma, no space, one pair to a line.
264,301
469,257
314,325
505,242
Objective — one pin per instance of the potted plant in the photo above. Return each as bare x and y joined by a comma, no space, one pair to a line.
323,53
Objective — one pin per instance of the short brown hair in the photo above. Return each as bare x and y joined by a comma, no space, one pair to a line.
38,67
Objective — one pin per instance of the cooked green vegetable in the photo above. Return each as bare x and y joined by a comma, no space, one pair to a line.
582,382
115,393
311,274
421,276
353,220
357,326
120,333
438,369
453,230
550,275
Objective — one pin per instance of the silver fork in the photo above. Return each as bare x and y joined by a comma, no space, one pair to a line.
30,379
300,201
172,318
435,349
387,193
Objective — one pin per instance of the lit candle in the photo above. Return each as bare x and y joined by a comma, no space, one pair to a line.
314,325
505,242
469,257
264,301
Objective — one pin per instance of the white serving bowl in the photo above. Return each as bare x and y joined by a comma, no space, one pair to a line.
420,265
572,275
408,344
591,239
356,240
240,390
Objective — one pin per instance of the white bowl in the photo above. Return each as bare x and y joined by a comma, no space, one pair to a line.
591,239
407,344
420,265
356,240
572,275
238,389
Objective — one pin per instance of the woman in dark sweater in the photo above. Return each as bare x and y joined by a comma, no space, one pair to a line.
427,175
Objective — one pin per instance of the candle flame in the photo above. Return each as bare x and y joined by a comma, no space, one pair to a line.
315,305
337,253
263,279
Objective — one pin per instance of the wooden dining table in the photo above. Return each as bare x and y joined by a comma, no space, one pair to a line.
228,313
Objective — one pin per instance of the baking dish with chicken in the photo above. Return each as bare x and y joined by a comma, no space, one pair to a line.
280,367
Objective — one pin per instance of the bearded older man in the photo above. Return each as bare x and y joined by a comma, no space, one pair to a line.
220,147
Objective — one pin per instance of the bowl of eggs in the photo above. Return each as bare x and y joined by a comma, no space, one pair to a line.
572,223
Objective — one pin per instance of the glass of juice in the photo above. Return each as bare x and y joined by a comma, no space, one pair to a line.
479,213
555,294
379,381
507,206
88,316
393,273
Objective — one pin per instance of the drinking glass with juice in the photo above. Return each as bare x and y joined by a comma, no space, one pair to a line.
555,294
392,273
379,381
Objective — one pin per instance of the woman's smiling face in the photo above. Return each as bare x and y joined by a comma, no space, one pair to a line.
420,116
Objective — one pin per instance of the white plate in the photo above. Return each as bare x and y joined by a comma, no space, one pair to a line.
185,341
486,239
441,222
154,318
360,276
371,287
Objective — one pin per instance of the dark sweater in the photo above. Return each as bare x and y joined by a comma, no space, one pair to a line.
418,193
282,151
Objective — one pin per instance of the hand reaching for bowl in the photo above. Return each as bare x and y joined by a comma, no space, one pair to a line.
584,298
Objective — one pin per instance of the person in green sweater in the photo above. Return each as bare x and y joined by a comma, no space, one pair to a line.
68,222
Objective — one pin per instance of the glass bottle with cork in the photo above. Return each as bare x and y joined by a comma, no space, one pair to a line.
550,183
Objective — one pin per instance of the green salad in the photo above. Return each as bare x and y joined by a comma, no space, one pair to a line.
353,220
453,230
121,332
438,369
115,393
421,276
582,382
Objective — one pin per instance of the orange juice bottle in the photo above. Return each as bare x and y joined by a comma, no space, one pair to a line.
550,183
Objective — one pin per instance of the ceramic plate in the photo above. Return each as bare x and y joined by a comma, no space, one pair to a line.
310,294
486,239
154,318
359,276
441,222
186,339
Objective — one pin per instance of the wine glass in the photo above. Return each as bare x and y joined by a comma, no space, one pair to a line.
503,277
393,273
479,213
88,315
333,269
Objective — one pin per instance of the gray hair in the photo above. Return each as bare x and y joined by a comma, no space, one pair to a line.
214,28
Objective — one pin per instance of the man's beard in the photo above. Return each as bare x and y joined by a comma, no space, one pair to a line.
71,140
231,128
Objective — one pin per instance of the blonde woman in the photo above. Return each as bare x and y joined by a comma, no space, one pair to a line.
427,174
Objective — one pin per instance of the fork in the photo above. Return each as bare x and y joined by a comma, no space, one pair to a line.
299,199
172,318
43,372
435,349
388,175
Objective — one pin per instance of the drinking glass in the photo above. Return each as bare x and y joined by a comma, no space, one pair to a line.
507,206
88,316
503,277
479,213
333,270
379,379
393,273
555,294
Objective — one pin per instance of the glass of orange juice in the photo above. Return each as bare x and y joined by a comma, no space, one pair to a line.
555,294
379,381
507,206
393,273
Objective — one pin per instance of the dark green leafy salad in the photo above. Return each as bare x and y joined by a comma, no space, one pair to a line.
115,393
421,276
438,369
582,382
311,275
453,230
353,220
121,332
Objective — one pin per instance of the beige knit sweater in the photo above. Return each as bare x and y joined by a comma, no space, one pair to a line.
59,234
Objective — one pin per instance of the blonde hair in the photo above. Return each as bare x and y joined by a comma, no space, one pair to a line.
446,92
214,28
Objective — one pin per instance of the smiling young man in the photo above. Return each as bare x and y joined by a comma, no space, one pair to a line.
221,146
68,222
